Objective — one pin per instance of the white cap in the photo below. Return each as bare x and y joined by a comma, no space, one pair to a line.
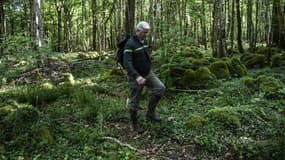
142,25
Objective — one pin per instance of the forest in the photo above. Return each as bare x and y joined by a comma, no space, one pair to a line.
63,95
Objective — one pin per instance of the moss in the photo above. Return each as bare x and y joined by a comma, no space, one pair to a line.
89,55
195,121
220,69
2,149
254,60
66,78
188,78
198,63
237,69
192,51
249,82
225,116
44,134
204,78
270,86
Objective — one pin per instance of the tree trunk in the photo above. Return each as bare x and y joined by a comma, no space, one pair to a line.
214,31
275,23
130,17
232,26
67,9
2,27
266,20
94,27
36,24
222,32
249,24
255,40
204,32
239,21
58,6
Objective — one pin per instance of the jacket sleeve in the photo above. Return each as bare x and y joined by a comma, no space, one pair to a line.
128,61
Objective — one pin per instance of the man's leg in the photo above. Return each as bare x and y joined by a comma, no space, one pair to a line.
135,92
158,89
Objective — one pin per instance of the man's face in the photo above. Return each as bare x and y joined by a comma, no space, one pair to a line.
142,34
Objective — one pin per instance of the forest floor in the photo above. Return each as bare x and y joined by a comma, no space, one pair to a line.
81,109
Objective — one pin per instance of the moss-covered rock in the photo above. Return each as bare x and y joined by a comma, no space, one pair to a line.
220,69
66,78
191,51
254,60
226,116
237,69
249,82
198,63
17,119
187,79
88,55
204,78
195,121
270,86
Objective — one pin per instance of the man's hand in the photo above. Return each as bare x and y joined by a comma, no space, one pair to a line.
140,80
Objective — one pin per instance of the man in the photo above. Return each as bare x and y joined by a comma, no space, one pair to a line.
137,62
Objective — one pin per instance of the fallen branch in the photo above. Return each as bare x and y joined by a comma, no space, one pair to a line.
125,145
188,90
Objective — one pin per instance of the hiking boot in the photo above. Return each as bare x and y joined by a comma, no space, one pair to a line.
151,115
134,120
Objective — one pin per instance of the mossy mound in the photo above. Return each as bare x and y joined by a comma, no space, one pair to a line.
270,86
253,60
226,116
198,63
278,60
66,78
220,69
199,79
88,55
190,51
195,121
249,82
237,69
21,124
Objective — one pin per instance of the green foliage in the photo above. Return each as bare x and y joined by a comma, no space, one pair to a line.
195,121
278,60
237,69
220,69
253,60
85,99
225,116
270,86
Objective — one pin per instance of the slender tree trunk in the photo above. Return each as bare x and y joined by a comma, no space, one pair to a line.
239,21
94,27
36,24
67,9
222,35
214,30
266,20
83,40
2,27
232,26
130,17
256,24
249,24
58,6
204,32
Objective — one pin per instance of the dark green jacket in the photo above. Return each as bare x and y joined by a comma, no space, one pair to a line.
137,60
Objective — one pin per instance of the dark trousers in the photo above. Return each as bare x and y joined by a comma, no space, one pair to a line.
152,82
